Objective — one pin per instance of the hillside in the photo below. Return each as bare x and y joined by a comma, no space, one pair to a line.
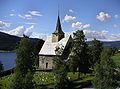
109,44
9,42
112,44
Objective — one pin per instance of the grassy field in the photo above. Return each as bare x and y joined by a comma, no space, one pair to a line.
5,81
116,59
46,78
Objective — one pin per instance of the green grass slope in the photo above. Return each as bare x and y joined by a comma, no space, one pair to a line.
116,59
48,79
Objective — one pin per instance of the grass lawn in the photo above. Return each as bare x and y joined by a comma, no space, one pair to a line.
5,81
46,78
116,59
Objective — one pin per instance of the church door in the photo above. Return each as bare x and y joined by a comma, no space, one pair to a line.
46,65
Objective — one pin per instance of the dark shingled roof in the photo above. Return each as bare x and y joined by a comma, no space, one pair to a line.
58,29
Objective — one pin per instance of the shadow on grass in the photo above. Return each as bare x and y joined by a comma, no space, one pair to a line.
44,86
79,85
73,84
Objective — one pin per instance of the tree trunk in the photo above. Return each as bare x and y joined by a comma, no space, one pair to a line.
78,75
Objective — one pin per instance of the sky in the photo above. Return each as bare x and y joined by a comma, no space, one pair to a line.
98,19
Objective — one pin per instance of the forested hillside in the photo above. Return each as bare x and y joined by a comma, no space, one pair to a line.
9,42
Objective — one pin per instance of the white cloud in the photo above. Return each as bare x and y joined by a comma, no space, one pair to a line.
80,26
4,24
20,30
70,10
28,31
27,16
68,18
39,35
90,34
101,35
102,16
35,13
12,14
116,16
21,16
30,15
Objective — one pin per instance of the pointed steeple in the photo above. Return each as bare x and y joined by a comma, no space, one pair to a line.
58,34
58,29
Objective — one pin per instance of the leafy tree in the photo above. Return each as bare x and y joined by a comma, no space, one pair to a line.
95,51
79,57
114,50
104,72
1,67
24,66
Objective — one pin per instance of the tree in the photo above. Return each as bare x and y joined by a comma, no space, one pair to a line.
95,51
114,50
60,69
24,66
78,58
1,67
104,72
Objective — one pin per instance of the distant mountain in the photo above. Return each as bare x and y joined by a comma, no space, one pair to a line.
109,44
9,42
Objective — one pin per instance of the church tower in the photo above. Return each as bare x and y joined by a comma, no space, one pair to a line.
58,34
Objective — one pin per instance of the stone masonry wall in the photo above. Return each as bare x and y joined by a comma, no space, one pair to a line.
46,62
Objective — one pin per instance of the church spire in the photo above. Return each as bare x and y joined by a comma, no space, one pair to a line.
58,34
58,29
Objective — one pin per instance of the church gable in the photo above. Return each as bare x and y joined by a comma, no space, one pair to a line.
47,52
49,47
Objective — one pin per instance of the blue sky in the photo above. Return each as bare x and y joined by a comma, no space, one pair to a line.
37,18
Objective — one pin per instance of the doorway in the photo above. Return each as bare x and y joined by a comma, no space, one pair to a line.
46,65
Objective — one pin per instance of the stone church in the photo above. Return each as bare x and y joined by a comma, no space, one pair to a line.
47,52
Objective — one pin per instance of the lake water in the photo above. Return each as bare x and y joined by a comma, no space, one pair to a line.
8,59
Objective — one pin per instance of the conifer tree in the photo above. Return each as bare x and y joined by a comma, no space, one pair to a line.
24,66
78,58
95,51
60,69
104,72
